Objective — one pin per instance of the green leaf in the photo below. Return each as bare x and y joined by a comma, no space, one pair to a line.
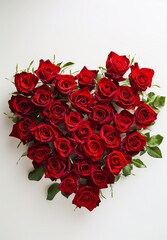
15,119
138,163
36,174
142,152
155,141
159,101
52,191
147,135
154,152
67,64
28,69
127,170
65,195
59,64
17,68
99,76
117,177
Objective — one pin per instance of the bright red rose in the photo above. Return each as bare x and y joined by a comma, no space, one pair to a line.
82,100
47,71
106,90
72,119
44,132
115,162
134,143
110,136
25,82
126,98
22,129
87,196
101,114
141,78
56,167
102,177
69,183
21,106
65,84
38,152
144,116
63,146
42,96
123,121
86,78
55,111
83,167
93,148
82,132
116,66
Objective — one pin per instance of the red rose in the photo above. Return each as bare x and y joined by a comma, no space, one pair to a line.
141,78
123,121
20,105
116,66
22,129
106,90
110,136
65,84
82,167
71,120
63,146
56,167
82,131
25,82
101,114
43,95
82,100
87,196
125,97
115,162
93,148
69,183
55,111
144,116
47,71
134,143
86,78
102,177
44,132
38,152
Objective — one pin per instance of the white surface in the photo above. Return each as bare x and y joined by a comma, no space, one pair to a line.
83,32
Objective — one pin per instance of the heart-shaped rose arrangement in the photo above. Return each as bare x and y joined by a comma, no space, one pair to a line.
84,129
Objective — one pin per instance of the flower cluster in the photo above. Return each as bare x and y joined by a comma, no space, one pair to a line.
83,130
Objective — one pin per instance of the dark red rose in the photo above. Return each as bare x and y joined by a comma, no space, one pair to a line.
115,162
44,132
71,120
47,71
43,95
123,121
102,177
55,111
82,100
20,105
126,98
65,84
106,90
87,196
86,78
116,66
141,78
25,82
82,167
69,183
110,136
93,148
101,114
82,132
134,143
56,167
63,146
38,152
22,129
144,116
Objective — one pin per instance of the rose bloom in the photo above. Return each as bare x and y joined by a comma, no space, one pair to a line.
86,78
72,119
42,96
116,66
110,136
83,167
102,177
69,183
38,152
63,147
101,114
65,84
25,82
82,132
123,121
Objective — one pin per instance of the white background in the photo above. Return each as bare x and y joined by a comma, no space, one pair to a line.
83,32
